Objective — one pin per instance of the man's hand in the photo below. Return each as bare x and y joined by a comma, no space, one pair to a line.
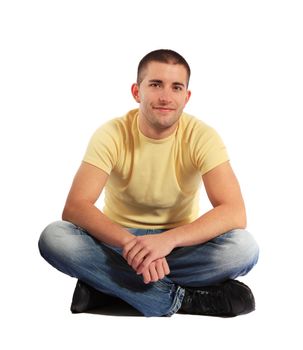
141,251
156,270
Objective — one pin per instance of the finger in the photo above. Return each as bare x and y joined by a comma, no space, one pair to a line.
145,263
153,273
165,267
139,258
128,247
132,253
146,276
159,268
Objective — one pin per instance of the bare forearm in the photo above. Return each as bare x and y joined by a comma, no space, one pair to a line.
89,217
218,220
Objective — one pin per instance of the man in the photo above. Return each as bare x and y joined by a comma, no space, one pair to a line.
149,246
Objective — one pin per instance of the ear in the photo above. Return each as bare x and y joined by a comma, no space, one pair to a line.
187,97
135,92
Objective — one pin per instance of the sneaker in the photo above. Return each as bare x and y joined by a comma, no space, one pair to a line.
86,298
228,299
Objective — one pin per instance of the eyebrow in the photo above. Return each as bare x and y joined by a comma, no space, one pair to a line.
176,83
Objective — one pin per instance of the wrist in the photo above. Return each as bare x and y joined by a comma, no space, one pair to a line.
174,237
126,238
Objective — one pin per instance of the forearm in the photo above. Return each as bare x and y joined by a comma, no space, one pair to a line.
89,217
141,251
215,222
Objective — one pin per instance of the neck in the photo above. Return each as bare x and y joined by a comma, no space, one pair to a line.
155,133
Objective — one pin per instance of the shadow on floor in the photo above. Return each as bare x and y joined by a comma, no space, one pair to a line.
119,308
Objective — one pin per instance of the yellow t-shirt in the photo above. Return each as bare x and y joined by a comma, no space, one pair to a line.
154,183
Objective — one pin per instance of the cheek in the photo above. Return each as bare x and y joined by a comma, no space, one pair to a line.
185,100
142,96
182,102
146,99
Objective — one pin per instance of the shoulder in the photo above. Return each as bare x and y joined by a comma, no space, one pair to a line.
116,128
205,145
194,129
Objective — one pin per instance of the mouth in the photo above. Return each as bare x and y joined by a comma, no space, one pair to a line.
164,109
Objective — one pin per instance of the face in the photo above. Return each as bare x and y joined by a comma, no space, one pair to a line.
162,96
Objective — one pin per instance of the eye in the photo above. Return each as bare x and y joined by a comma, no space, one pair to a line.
154,85
178,88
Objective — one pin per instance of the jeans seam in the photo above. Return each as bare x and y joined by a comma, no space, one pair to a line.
177,301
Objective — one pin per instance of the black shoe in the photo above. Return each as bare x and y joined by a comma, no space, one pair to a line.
86,298
228,299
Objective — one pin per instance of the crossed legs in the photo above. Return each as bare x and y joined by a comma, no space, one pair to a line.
74,252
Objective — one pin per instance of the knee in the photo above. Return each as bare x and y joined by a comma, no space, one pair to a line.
245,248
54,237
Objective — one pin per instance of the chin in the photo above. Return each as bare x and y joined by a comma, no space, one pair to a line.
165,126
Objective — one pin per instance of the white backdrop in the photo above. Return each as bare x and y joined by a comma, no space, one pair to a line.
65,68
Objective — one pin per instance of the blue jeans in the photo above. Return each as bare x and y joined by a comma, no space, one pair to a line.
76,253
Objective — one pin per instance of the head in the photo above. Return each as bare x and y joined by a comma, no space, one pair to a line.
162,56
162,92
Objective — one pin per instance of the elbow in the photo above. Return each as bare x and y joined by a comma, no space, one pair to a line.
236,215
73,210
67,213
242,223
241,219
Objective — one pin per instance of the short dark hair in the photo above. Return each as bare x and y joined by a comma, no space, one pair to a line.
164,56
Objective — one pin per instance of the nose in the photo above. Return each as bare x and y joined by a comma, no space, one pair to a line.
164,96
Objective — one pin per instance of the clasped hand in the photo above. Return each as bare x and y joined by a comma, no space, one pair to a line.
146,255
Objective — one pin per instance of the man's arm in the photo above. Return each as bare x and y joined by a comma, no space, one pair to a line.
228,213
80,207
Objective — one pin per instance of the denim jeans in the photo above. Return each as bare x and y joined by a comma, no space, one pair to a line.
76,253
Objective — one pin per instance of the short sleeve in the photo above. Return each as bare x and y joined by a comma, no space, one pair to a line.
209,150
103,148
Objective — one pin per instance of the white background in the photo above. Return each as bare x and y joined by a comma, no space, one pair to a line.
65,68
